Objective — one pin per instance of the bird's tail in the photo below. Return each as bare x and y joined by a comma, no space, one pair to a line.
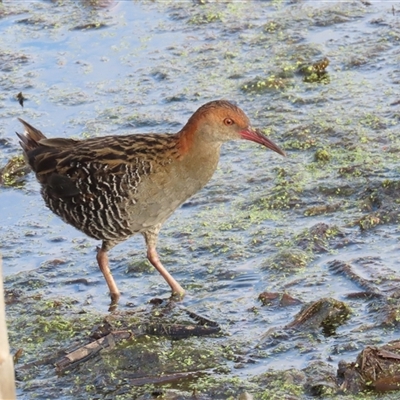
30,139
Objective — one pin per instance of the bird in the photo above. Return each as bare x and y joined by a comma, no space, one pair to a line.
113,187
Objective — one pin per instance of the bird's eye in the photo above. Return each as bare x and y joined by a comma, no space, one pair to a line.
228,121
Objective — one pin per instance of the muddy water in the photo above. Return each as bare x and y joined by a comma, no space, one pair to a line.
91,68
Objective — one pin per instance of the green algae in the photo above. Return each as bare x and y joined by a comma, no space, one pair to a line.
13,173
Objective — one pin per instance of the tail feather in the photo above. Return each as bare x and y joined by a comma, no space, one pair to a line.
31,137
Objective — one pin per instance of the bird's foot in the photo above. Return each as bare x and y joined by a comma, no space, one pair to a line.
177,295
114,301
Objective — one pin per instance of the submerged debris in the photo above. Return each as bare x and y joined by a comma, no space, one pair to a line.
321,237
90,26
315,72
20,97
321,379
265,84
326,313
340,267
14,172
89,350
283,300
289,260
321,209
106,335
376,368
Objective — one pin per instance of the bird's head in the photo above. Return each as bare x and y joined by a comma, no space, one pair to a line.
221,121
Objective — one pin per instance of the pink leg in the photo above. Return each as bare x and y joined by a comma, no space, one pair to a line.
151,241
102,260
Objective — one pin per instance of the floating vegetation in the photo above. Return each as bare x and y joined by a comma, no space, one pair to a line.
14,172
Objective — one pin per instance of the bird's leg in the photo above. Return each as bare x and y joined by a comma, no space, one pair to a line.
102,260
150,237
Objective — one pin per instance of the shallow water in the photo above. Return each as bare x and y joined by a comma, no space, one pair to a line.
131,67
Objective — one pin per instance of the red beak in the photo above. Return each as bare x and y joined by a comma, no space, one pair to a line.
258,137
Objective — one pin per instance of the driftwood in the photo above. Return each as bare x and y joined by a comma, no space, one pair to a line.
7,381
89,350
110,338
201,320
176,331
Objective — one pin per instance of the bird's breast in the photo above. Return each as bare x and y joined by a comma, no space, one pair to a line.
169,185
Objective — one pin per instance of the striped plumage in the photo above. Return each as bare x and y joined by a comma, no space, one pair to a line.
113,187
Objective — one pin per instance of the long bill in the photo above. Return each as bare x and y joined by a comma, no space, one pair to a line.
258,137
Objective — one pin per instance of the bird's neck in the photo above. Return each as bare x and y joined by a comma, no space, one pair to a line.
191,138
199,156
186,140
